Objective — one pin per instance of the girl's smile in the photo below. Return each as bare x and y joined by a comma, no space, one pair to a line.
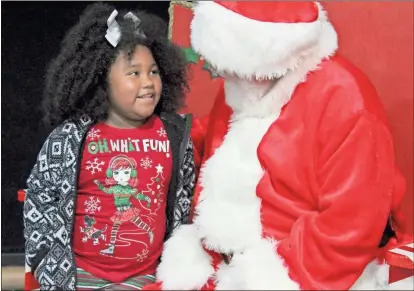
135,88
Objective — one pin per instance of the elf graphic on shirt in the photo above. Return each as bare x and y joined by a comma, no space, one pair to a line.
122,178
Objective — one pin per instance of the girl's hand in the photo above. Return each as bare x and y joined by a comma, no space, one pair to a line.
100,186
141,196
149,201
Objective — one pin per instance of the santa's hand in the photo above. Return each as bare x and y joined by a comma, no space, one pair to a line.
185,265
259,260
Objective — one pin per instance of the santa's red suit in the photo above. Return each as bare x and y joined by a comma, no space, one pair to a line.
298,177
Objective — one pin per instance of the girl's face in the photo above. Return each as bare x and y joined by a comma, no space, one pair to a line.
122,176
135,85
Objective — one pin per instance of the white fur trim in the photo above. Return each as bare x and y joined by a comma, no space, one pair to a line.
374,277
249,98
248,48
228,277
228,213
257,268
184,265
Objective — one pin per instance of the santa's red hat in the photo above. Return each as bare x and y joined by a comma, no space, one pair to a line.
262,39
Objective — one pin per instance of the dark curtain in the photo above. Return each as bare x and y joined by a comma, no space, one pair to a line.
31,33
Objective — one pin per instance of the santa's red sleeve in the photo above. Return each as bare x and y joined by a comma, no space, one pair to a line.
329,248
198,133
200,126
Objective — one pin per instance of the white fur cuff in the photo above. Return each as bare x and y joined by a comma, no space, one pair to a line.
185,265
257,268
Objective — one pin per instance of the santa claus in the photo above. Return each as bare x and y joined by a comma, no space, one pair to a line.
298,187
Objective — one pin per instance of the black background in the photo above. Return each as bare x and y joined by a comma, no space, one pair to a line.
31,33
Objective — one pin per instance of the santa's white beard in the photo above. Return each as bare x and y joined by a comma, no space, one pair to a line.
251,89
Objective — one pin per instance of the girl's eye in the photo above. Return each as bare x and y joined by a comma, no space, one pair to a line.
155,72
135,73
116,172
127,172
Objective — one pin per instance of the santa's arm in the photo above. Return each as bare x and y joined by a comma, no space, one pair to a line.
329,247
200,126
198,133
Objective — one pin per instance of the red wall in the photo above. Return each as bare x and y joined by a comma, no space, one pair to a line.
378,38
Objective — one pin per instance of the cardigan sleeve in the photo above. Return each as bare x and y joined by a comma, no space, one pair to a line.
41,202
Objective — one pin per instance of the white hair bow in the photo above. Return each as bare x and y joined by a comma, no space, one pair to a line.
113,33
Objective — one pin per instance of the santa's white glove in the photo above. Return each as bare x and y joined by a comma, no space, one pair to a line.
185,265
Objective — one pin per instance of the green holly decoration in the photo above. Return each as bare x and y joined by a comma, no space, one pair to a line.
190,55
207,67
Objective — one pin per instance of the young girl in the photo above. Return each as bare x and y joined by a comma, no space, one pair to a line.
116,176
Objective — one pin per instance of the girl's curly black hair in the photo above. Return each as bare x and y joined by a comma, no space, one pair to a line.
76,80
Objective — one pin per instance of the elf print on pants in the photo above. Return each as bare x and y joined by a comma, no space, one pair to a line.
121,172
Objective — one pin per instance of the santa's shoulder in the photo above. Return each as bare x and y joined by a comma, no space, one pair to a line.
340,88
340,72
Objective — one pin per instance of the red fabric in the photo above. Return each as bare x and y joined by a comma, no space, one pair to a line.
398,274
274,11
128,165
30,282
125,215
401,266
330,180
201,126
399,260
21,195
198,130
154,286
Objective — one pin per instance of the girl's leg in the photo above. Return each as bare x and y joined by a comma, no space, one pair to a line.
114,231
86,281
142,225
138,282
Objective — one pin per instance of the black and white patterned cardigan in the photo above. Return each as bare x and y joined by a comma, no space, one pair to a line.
51,195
